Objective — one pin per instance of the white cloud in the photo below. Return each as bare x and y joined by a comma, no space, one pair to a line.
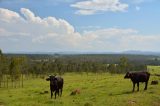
31,32
90,7
9,16
57,31
116,39
85,12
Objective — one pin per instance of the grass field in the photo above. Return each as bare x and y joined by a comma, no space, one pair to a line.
96,90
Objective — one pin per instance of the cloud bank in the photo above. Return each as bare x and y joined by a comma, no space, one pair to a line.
28,32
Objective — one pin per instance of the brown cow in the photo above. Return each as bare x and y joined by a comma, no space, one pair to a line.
137,77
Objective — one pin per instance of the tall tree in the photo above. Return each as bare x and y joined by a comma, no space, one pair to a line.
123,64
1,67
14,69
112,68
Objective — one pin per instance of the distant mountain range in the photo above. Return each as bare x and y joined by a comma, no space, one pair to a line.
132,52
142,52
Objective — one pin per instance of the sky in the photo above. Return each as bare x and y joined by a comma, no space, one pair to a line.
79,25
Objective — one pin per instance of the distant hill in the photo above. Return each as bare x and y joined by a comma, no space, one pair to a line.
130,52
142,53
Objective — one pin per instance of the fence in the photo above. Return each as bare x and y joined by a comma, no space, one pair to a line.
7,82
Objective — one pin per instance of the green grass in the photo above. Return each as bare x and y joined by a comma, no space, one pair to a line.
96,90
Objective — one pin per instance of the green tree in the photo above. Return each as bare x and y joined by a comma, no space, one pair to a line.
15,69
123,65
3,66
112,68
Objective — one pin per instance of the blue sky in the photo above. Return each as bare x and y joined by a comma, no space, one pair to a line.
79,25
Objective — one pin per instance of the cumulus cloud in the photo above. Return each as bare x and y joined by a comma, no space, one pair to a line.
90,7
58,31
117,39
28,32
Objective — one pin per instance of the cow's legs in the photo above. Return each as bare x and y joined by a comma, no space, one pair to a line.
137,86
56,92
51,93
146,83
61,92
133,87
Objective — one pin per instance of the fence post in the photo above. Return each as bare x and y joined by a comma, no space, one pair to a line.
0,83
22,80
4,81
12,82
7,82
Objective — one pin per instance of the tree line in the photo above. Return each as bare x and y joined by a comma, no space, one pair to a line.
12,69
15,68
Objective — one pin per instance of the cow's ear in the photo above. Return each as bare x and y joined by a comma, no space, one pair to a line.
127,73
47,79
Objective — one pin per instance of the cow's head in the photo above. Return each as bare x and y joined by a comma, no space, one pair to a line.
48,78
128,75
52,79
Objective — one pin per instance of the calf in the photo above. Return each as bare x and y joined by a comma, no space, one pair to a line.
56,85
137,77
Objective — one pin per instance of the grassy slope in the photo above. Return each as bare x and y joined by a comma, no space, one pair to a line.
96,90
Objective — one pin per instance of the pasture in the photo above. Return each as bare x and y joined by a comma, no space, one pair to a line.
101,89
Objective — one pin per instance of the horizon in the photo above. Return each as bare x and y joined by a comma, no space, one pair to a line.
79,26
130,52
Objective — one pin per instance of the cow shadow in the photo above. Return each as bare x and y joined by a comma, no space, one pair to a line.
122,93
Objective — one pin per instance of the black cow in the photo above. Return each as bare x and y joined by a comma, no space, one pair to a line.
56,85
137,77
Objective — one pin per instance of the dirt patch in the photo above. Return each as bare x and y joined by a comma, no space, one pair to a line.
132,103
76,91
